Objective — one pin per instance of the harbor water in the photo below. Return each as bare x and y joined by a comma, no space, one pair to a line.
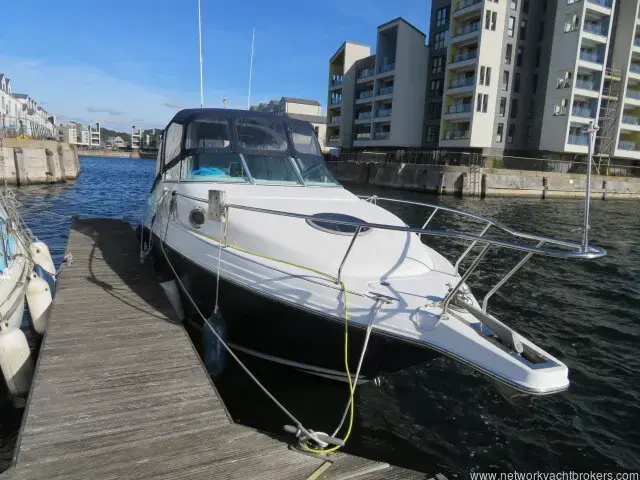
439,417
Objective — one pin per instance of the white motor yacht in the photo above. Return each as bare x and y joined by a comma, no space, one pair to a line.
244,198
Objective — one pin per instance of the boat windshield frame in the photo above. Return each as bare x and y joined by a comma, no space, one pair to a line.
272,135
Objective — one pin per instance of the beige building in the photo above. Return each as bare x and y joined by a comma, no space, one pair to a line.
376,100
300,109
21,115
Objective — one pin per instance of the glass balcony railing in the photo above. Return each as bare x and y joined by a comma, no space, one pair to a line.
462,82
385,90
582,112
468,28
590,57
459,108
362,136
363,116
384,112
364,95
382,135
602,3
334,138
595,28
465,3
635,94
367,72
630,120
636,42
634,67
334,119
389,67
586,84
335,101
578,139
626,145
456,134
337,80
462,56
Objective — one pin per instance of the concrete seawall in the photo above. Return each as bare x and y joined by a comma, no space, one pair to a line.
29,162
484,182
108,153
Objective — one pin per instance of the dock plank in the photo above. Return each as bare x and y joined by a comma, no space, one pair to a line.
120,391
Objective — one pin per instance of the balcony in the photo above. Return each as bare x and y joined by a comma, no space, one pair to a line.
631,120
367,72
362,136
633,94
382,135
587,85
335,119
456,134
595,29
383,112
385,90
336,81
389,67
582,112
462,82
626,145
464,56
335,101
334,138
578,140
462,4
634,68
364,96
636,42
363,116
590,57
468,28
602,3
459,108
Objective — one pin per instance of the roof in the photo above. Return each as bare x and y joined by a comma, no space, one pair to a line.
19,95
1,76
303,101
400,19
189,114
344,44
308,118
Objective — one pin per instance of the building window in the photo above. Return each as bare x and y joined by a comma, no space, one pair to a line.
511,27
514,108
529,133
437,64
525,6
534,87
482,69
494,20
519,55
485,103
487,20
487,79
503,106
434,110
432,134
499,132
541,31
439,40
511,131
508,53
436,86
571,23
513,4
479,103
516,83
538,55
532,106
505,80
523,29
441,16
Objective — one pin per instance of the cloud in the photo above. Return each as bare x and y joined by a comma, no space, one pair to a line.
107,110
171,105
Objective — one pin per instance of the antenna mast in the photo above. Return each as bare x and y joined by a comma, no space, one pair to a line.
200,44
253,38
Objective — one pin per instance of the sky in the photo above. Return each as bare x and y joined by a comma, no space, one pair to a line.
136,61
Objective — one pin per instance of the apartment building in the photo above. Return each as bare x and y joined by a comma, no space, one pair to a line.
136,137
300,109
376,100
20,114
94,135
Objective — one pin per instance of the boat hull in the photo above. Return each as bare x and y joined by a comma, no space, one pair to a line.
263,329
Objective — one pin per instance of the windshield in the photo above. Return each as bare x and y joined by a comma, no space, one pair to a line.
314,171
213,167
272,169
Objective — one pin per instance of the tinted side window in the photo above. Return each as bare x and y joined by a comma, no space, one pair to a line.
261,134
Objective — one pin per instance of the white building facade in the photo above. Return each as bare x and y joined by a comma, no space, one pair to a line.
20,115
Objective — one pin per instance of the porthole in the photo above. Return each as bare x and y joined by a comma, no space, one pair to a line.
197,217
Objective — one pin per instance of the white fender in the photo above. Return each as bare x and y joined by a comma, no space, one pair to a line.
171,290
41,256
15,360
39,299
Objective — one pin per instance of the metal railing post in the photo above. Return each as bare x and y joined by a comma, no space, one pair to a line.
344,259
467,274
469,248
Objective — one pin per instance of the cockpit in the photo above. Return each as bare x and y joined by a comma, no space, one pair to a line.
238,146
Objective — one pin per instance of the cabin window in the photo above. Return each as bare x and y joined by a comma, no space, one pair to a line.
214,167
172,150
304,139
208,134
261,134
266,169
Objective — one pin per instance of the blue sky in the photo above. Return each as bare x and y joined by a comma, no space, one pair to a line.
136,61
